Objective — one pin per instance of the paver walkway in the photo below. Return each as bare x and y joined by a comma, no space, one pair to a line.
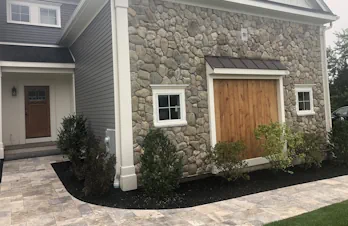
32,194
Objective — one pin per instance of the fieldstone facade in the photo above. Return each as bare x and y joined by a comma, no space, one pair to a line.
168,42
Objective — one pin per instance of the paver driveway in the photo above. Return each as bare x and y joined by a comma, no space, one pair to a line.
32,194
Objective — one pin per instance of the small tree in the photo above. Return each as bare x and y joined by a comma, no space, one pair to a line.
228,159
161,167
89,161
74,140
338,144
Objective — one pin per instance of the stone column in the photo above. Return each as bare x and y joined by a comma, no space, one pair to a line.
1,142
122,76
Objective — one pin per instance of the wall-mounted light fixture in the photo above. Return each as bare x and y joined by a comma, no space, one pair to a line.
14,91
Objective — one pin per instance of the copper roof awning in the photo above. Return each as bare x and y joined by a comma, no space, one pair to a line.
243,63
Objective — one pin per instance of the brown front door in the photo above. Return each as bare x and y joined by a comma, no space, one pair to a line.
37,111
240,107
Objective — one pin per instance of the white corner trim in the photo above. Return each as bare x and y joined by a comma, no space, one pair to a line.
36,65
30,44
252,72
116,97
211,76
82,17
122,78
326,86
121,3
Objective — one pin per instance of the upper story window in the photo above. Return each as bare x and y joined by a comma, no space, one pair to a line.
33,13
20,13
48,16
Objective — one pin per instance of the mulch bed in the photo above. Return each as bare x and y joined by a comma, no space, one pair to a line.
1,166
202,191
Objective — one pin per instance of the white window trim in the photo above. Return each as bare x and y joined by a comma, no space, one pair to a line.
169,90
34,12
305,88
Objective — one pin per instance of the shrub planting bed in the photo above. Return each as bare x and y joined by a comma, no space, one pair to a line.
202,191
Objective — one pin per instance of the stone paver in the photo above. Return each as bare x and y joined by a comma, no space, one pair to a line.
32,194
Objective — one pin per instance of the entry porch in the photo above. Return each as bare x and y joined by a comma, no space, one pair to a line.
34,98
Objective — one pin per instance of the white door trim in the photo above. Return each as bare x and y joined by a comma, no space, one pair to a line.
235,74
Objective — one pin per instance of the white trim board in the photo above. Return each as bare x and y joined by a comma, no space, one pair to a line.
36,65
211,76
30,44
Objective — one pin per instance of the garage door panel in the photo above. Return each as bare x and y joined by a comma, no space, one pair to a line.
240,107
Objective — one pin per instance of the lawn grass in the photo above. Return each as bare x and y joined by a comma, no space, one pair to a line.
334,215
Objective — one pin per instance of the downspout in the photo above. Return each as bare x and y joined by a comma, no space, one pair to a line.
326,86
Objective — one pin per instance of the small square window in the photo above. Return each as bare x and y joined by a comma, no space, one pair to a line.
304,100
20,13
169,105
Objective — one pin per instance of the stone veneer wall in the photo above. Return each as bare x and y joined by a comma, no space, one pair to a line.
168,42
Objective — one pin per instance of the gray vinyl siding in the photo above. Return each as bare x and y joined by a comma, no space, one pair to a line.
10,32
94,83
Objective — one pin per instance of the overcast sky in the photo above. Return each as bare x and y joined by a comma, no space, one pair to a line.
340,8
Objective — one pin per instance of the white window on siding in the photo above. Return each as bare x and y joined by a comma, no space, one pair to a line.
20,13
169,105
304,100
48,16
37,13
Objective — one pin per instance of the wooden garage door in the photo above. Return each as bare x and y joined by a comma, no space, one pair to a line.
241,106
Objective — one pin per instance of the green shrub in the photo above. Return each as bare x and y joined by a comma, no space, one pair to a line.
338,141
228,159
161,167
311,149
73,141
90,162
274,138
99,171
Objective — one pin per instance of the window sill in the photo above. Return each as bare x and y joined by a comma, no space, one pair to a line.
177,123
32,24
305,113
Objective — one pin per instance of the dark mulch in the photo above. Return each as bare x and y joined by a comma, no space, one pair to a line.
203,191
1,166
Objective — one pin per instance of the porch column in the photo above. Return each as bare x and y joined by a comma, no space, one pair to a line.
123,100
1,142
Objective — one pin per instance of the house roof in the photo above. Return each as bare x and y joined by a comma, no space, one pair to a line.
35,54
243,63
325,9
87,10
